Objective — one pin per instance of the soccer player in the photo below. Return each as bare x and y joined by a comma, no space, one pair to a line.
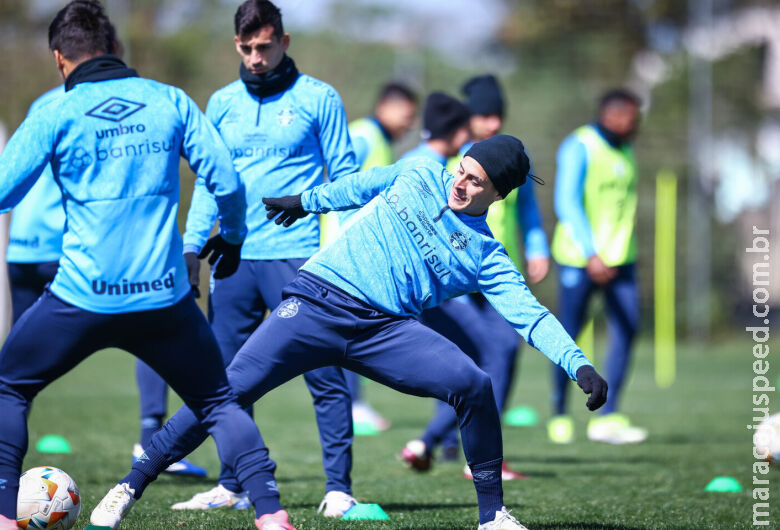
419,239
373,138
595,246
114,141
445,128
281,127
35,235
494,344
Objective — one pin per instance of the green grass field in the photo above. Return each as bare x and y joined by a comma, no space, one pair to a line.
697,431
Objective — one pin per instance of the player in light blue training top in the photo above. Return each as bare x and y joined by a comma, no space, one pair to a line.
282,128
35,236
114,141
494,344
420,239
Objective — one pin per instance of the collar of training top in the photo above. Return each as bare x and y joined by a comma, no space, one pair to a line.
277,80
100,68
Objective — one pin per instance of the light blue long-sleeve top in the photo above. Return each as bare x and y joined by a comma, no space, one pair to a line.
114,148
279,146
38,221
406,251
571,167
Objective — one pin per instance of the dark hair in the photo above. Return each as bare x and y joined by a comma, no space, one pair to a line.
394,90
82,29
621,95
253,15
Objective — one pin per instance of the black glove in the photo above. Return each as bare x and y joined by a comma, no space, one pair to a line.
592,383
193,271
289,207
225,255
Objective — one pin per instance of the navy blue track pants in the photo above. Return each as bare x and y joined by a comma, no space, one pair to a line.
489,340
53,336
237,305
27,283
621,304
318,324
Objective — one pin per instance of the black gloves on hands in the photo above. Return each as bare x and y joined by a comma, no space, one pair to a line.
592,383
225,255
193,272
289,207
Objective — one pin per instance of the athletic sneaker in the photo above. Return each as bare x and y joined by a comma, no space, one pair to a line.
416,455
336,504
216,497
183,467
114,506
7,524
363,413
560,429
506,473
274,521
503,521
615,429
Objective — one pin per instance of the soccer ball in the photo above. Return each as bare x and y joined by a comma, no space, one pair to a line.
48,498
767,438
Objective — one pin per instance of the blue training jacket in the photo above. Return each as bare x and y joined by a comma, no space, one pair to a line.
279,146
572,165
406,251
114,148
38,221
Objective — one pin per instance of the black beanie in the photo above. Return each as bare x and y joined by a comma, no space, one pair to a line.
504,160
443,116
483,95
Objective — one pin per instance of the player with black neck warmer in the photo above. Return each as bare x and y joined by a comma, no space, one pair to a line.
282,128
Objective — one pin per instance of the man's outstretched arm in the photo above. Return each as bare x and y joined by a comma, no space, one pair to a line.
504,287
346,193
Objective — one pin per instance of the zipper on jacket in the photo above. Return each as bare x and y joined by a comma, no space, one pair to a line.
441,212
259,106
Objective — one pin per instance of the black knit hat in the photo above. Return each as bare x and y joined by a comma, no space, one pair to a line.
504,160
443,116
483,95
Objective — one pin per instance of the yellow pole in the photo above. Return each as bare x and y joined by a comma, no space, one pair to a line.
665,250
585,340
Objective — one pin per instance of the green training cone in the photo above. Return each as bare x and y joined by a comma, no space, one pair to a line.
53,443
521,417
723,485
369,512
364,428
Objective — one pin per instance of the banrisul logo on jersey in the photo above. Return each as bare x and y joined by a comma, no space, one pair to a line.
459,241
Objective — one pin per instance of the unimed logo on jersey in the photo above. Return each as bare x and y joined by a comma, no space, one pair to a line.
115,109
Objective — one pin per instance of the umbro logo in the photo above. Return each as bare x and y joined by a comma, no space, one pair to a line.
3,483
272,486
483,475
143,458
115,109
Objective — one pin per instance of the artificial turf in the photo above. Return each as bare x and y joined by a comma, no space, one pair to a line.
697,432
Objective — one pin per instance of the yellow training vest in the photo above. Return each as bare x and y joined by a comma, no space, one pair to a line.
610,201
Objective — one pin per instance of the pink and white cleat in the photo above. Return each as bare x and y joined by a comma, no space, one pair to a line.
274,521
